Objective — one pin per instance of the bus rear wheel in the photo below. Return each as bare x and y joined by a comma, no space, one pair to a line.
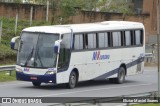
121,76
36,84
72,80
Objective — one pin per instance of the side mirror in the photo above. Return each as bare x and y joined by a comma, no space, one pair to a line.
57,46
15,41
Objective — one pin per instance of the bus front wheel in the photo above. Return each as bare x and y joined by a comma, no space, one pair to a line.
72,80
36,84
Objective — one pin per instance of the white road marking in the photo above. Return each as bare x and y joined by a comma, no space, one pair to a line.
90,90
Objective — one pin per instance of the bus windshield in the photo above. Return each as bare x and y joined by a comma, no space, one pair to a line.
36,50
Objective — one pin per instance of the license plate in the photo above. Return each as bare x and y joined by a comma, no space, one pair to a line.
33,78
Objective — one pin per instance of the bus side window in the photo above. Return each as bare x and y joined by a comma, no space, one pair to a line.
91,41
127,35
116,39
78,41
103,40
139,37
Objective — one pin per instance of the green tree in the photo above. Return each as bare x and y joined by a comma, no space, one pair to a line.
62,10
119,6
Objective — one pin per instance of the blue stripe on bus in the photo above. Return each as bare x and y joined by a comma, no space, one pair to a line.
115,71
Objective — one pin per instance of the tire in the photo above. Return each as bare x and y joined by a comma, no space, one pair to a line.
36,84
72,80
121,76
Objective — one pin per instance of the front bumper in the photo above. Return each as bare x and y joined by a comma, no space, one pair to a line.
36,78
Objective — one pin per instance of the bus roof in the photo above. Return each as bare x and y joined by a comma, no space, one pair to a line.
87,27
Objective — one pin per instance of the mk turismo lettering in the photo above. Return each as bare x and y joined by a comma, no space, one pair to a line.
98,56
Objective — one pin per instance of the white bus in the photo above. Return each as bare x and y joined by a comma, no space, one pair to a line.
80,52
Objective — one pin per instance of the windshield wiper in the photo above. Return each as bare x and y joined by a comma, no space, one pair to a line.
39,57
28,58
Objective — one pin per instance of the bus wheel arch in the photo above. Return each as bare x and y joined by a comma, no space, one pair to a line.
125,67
73,79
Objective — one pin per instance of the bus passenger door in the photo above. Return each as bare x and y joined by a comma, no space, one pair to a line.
64,57
63,61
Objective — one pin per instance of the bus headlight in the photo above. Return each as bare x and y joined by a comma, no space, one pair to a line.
50,72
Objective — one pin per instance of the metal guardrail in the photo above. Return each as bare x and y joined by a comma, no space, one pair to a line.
149,56
9,68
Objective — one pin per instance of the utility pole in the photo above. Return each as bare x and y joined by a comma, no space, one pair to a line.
16,24
47,10
31,15
1,24
158,32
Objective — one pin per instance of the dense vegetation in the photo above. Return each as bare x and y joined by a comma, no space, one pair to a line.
5,76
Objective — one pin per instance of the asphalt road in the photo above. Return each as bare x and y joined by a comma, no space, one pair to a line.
141,83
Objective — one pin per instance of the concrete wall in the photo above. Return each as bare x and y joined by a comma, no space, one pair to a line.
9,10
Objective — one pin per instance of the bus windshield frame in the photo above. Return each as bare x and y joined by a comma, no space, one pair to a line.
36,50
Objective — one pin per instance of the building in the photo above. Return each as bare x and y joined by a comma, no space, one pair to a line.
149,7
